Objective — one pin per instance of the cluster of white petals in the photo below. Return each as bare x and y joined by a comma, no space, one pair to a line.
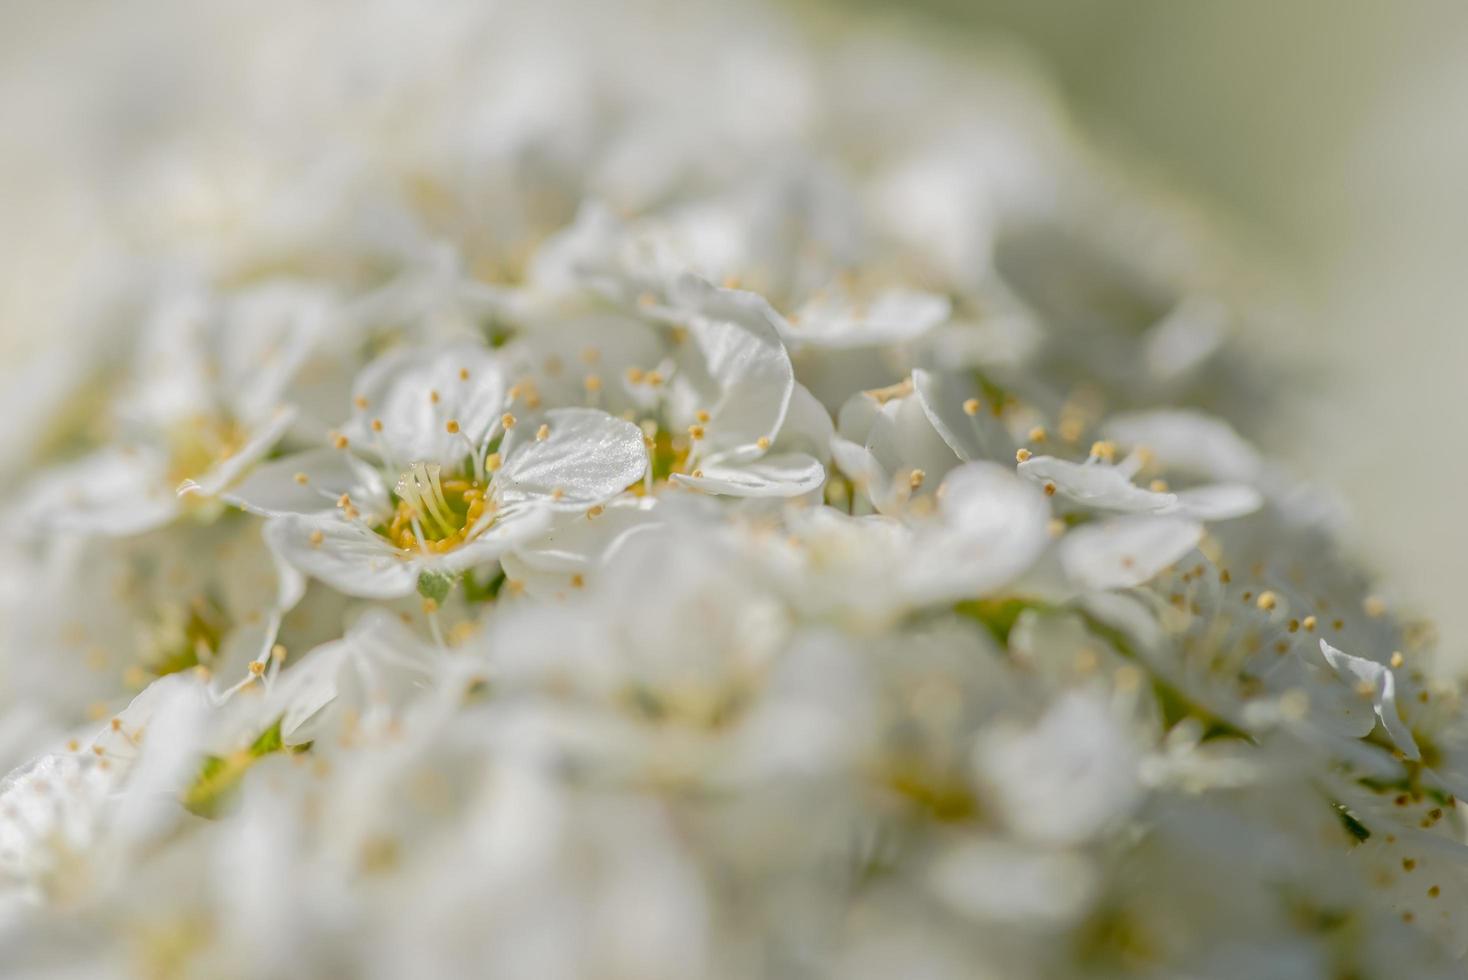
642,490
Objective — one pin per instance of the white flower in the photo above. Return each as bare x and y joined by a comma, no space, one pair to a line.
417,487
204,402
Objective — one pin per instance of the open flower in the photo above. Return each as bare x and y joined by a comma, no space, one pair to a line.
204,403
433,475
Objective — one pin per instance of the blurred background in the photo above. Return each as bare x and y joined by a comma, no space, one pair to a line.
1329,140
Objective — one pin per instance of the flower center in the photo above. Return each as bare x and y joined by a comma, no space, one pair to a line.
436,513
198,444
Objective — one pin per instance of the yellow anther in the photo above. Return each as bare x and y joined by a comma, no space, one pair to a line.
595,511
1049,488
463,374
507,420
257,667
115,724
72,745
1397,658
452,425
278,652
1268,600
302,479
1374,606
361,402
340,441
763,442
1055,528
577,581
433,396
971,407
702,415
634,375
697,474
430,606
1038,434
1104,450
344,500
695,431
558,493
1158,486
542,433
654,378
1022,455
492,462
377,425
316,538
1309,623
915,479
592,382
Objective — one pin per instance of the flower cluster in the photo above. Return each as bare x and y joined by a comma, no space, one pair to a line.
616,491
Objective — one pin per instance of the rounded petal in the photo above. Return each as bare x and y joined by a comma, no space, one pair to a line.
346,556
993,527
945,399
892,317
113,492
1126,551
416,392
587,458
307,483
735,360
775,475
1188,442
1098,485
1218,501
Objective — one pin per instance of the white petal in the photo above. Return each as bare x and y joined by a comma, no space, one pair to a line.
348,557
115,492
979,436
399,388
1126,551
264,336
1383,683
808,427
274,488
587,458
307,686
1067,779
893,317
1188,442
1218,501
1097,484
775,475
993,527
735,359
512,527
